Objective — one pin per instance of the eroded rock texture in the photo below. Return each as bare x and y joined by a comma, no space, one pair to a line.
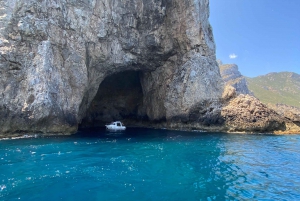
246,113
231,76
290,112
56,53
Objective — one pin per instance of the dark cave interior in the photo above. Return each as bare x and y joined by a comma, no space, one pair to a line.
119,97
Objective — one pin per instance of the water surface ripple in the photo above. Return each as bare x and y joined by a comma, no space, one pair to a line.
145,164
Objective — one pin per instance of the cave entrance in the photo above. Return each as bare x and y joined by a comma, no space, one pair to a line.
119,97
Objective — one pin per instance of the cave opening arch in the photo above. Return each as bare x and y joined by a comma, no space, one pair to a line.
119,97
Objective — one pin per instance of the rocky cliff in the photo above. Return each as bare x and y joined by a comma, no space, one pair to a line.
242,112
59,61
281,92
231,76
237,113
246,113
290,112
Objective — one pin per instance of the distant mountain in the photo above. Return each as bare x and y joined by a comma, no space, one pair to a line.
277,88
232,76
280,93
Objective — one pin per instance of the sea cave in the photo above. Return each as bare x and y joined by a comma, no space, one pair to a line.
119,97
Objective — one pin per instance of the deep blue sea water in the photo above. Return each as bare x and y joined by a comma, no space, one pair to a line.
146,164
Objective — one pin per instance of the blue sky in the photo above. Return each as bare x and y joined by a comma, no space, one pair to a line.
262,36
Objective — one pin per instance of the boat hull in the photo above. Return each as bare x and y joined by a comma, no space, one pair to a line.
115,128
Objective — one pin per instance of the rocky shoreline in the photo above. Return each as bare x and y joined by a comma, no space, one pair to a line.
241,114
65,64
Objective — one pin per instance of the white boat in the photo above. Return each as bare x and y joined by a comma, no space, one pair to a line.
115,126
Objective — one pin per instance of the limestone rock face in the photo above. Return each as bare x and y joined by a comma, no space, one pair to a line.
232,76
241,112
55,54
247,113
290,112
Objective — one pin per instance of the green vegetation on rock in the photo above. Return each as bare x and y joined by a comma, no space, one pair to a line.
277,88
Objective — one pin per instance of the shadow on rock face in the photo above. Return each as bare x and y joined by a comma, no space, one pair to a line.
119,97
207,112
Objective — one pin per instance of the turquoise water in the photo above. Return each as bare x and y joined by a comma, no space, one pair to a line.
145,164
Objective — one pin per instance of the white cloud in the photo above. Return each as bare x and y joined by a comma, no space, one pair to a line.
233,56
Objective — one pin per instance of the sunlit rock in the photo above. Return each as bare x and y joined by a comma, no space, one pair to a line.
56,54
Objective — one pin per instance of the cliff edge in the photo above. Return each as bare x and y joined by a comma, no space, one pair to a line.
65,64
231,76
54,56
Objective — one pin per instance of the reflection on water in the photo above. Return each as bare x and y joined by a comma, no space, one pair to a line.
145,164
